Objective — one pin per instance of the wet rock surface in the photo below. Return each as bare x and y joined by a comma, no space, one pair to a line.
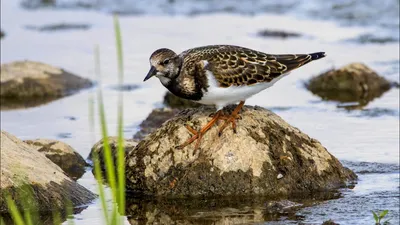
62,155
23,166
246,163
155,119
25,81
354,82
278,34
98,149
176,102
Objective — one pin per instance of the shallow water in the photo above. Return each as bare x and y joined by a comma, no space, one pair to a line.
370,135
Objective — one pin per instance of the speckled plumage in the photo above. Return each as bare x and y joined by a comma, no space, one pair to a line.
230,66
221,75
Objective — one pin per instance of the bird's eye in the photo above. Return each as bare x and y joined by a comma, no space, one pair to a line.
166,61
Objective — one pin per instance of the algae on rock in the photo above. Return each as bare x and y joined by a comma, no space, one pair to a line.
266,157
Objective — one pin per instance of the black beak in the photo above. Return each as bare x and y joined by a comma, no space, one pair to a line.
152,72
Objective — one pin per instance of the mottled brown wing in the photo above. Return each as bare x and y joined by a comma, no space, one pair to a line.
236,66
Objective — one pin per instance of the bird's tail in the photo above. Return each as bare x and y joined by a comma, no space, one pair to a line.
294,61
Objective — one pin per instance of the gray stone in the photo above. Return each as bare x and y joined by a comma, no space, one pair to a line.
176,102
154,120
246,163
24,167
62,155
354,82
24,82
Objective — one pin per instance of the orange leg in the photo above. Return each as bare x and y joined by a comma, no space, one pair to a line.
197,135
231,119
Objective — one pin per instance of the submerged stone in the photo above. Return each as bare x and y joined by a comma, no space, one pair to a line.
176,102
352,83
23,82
246,163
154,120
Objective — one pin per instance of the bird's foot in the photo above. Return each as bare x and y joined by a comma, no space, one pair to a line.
231,119
197,135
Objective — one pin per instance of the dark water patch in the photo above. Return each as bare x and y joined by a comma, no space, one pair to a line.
64,135
377,112
278,34
58,27
281,108
374,39
356,109
72,118
348,12
125,87
354,208
371,167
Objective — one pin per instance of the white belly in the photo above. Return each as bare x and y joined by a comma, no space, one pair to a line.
221,96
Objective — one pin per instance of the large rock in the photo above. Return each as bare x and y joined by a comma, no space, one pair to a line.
154,120
266,157
62,155
354,82
26,81
98,149
22,165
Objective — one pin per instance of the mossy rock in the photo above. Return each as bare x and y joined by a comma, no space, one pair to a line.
354,82
266,157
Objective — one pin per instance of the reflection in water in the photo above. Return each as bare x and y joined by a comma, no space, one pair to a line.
46,218
11,104
236,210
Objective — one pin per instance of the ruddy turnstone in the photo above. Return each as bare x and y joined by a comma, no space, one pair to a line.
221,75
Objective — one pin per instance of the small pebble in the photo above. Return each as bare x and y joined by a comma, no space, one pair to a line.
280,176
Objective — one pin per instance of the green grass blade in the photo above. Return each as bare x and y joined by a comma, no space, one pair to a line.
121,150
69,211
383,213
118,39
26,196
375,217
56,217
110,168
15,214
2,221
99,178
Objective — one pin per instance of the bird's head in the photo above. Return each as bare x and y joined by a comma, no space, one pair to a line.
165,64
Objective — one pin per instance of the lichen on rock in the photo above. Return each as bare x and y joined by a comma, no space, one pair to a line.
266,157
62,155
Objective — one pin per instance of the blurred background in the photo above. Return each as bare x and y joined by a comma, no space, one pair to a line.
363,134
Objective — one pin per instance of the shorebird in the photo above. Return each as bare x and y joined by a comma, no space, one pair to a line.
221,75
